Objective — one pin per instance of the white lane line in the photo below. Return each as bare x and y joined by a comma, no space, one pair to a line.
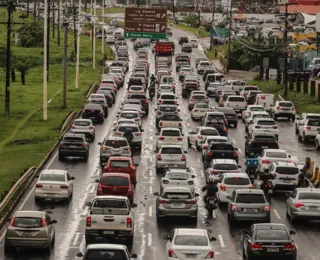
198,160
149,239
93,188
276,213
221,241
150,173
239,150
151,138
150,211
75,240
188,124
150,189
214,214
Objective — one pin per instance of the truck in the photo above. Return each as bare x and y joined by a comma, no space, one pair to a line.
164,48
109,217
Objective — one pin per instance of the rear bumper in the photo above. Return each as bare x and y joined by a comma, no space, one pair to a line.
73,153
306,215
27,243
164,164
46,195
178,212
285,114
265,216
107,233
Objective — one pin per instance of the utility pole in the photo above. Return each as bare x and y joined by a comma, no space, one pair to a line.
91,7
34,9
28,2
65,59
103,39
229,37
74,27
48,37
174,10
45,57
213,10
285,74
94,46
59,21
199,22
78,50
95,8
53,22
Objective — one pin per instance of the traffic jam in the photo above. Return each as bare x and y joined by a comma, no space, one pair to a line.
172,160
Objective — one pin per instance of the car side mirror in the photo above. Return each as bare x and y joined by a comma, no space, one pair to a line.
246,137
213,239
156,193
239,166
176,97
136,164
169,237
292,232
134,256
289,156
79,254
155,109
193,176
185,151
99,143
133,205
142,130
196,194
97,181
72,178
117,115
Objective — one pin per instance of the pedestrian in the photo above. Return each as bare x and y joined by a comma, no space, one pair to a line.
306,166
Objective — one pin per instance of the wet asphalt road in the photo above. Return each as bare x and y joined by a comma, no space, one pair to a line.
150,238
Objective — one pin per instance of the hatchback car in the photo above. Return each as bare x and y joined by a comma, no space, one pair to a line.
53,184
220,166
248,205
123,165
199,110
119,184
30,229
170,156
177,178
84,126
176,202
196,98
170,136
133,133
74,145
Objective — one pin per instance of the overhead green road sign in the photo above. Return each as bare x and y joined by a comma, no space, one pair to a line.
145,35
218,32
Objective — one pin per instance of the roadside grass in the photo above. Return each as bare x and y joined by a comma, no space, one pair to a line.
303,102
201,33
108,10
25,119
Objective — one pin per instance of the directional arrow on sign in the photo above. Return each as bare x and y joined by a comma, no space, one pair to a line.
163,16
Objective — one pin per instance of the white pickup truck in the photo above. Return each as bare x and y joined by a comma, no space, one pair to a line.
109,217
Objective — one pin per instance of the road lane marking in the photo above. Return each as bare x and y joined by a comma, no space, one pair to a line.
239,150
149,239
150,173
93,188
151,138
233,141
150,189
296,245
221,241
214,214
276,213
150,211
75,240
198,160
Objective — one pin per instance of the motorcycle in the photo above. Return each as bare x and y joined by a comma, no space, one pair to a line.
252,173
151,93
268,190
211,204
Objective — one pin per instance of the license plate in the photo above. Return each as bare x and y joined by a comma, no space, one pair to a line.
191,255
211,202
108,232
270,191
92,117
73,146
177,205
275,250
250,210
252,176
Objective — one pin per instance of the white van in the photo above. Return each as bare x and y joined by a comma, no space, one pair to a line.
266,100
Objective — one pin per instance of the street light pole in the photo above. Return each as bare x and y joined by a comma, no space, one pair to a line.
65,59
45,57
103,40
229,37
94,46
78,48
285,75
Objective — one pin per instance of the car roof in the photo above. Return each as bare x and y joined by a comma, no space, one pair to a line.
177,189
217,137
120,158
191,231
286,164
228,161
174,170
115,174
111,137
130,111
95,106
53,171
29,213
225,109
247,191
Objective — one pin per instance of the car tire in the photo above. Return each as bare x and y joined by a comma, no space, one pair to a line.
299,138
296,130
85,158
293,118
101,121
235,125
7,249
192,118
48,249
189,143
317,145
37,200
230,220
292,220
93,138
61,157
304,139
130,240
198,148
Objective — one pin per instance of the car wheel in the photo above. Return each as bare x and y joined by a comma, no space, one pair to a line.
243,254
304,139
130,240
297,130
7,249
192,118
317,145
93,138
37,200
235,125
53,242
189,143
299,138
48,249
61,157
198,147
85,158
293,118
275,117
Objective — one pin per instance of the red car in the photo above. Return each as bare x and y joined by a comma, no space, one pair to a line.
122,165
118,184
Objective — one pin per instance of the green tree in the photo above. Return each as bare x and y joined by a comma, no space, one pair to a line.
30,35
23,64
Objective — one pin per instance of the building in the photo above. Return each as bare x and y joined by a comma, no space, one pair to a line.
303,6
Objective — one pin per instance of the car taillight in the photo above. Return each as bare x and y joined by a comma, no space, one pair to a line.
191,202
235,154
234,208
293,108
159,157
298,205
256,247
180,124
101,112
179,139
210,255
138,134
266,162
73,127
129,223
39,185
146,101
165,182
163,202
172,254
88,222
83,144
289,247
308,128
160,123
161,138
213,172
223,187
83,111
190,182
196,110
43,222
159,113
277,107
209,153
251,121
91,127
266,208
89,101
191,99
205,147
61,145
183,157
224,129
11,222
200,137
251,187
249,113
64,187
104,148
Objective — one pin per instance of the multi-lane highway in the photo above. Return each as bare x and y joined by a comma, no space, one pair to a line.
150,238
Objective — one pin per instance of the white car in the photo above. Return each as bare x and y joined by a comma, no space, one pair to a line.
309,130
133,90
254,115
238,103
228,182
186,243
110,40
250,109
164,88
177,178
197,135
300,119
54,184
131,115
283,109
84,126
318,141
264,124
170,136
199,110
269,156
194,43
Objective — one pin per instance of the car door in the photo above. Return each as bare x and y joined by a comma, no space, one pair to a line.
50,227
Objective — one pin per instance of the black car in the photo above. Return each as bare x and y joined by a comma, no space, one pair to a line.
217,124
230,114
103,103
74,145
109,95
258,141
94,112
220,150
269,241
183,40
186,47
137,81
144,102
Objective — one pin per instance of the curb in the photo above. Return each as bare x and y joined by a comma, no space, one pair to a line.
91,88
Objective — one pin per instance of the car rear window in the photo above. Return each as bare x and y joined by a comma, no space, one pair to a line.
278,155
170,133
175,195
236,99
272,234
166,87
309,196
264,138
314,123
198,97
97,254
167,102
167,109
177,176
209,132
170,118
171,150
120,164
188,240
260,116
201,106
97,101
225,166
82,123
253,109
110,203
52,177
116,143
129,115
115,181
73,139
250,198
265,122
130,129
27,222
216,140
168,97
210,117
136,88
285,104
223,147
287,170
236,181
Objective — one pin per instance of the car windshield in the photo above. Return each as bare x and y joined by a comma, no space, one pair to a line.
225,166
99,254
130,129
82,123
116,143
115,181
256,109
27,222
191,240
272,235
287,170
279,155
209,132
129,115
314,123
120,164
171,150
265,138
170,133
167,109
266,122
236,99
175,195
250,198
177,176
285,104
236,181
52,177
170,118
309,196
222,147
72,140
168,97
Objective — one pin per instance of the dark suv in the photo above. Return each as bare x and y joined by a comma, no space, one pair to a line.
183,40
258,141
94,112
74,145
137,81
220,150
